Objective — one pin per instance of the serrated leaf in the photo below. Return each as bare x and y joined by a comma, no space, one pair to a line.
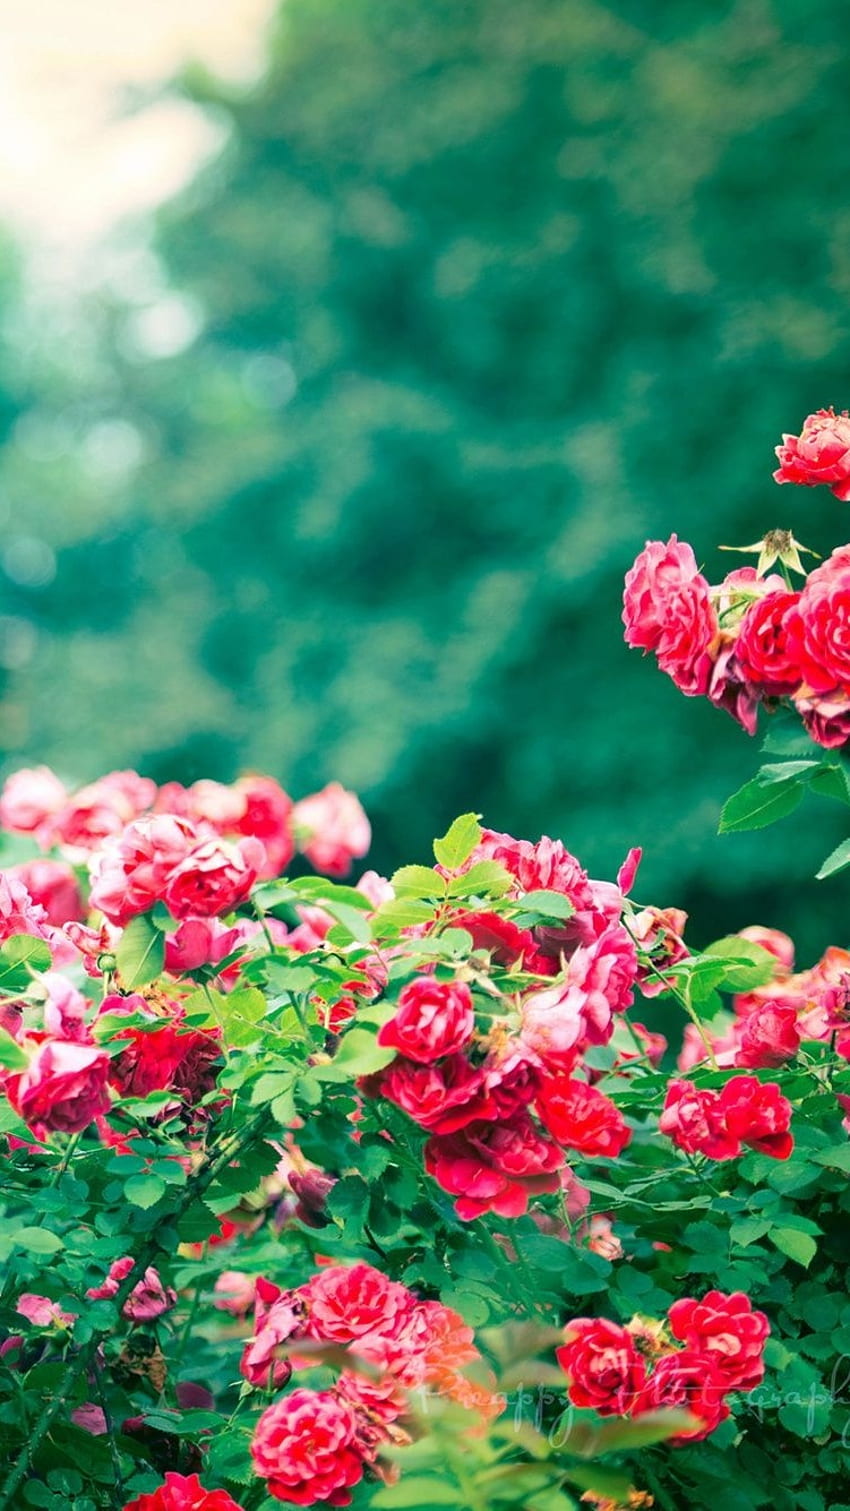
835,861
401,913
418,881
747,964
140,952
782,771
459,841
144,1190
758,803
798,1246
486,877
748,1230
548,904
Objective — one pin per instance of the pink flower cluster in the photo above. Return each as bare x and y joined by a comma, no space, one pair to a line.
502,1102
329,827
707,1349
753,640
314,1445
746,1112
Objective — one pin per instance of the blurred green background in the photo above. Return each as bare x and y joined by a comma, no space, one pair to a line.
338,475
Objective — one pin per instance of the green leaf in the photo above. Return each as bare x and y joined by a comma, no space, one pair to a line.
759,803
747,964
11,1054
458,843
832,780
837,1158
548,904
418,881
400,913
783,771
20,956
798,1246
348,1203
748,1230
359,1054
835,861
38,1240
144,1190
140,953
486,876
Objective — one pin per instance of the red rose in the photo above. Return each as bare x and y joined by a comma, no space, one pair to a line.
729,689
494,1167
726,1328
181,1494
506,942
434,1018
693,1119
819,454
166,1057
603,1367
769,1035
582,1118
64,1087
688,1379
267,817
303,1448
441,1098
761,646
758,1114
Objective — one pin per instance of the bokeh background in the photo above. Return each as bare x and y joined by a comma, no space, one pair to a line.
351,349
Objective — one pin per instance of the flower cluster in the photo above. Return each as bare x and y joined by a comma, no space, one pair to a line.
503,1095
706,1350
313,1445
755,639
720,1123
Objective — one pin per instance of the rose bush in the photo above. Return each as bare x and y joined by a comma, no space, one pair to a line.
390,1192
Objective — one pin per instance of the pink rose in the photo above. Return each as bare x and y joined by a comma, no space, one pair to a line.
267,816
64,1087
132,873
331,829
349,1301
18,913
42,1312
263,1364
52,885
303,1448
30,798
694,1120
433,1019
819,454
728,688
101,810
213,878
779,944
147,1300
234,1292
826,717
546,865
769,1035
667,609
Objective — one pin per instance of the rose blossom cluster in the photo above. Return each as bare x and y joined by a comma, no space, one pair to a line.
313,1445
503,1099
754,640
329,827
705,1350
